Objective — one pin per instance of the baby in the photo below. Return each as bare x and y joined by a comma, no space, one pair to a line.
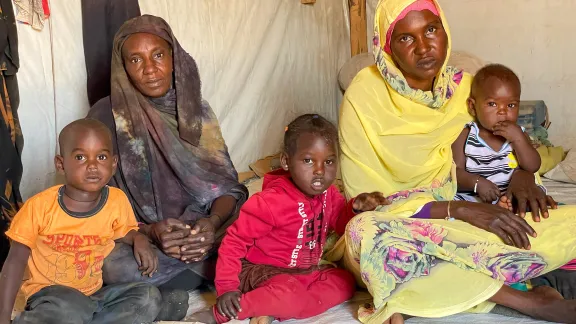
65,232
490,148
269,262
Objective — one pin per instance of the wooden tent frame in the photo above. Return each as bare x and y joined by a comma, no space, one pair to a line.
358,36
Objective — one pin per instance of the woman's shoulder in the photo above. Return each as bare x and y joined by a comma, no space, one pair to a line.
102,111
366,76
102,108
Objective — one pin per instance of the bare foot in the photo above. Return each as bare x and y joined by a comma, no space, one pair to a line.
396,318
205,316
543,303
548,292
551,306
262,320
504,202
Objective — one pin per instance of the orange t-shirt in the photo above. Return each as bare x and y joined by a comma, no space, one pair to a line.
68,248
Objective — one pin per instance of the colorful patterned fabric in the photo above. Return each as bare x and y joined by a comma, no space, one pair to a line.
397,140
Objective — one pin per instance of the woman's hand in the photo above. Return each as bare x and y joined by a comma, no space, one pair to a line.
145,255
229,304
200,241
369,201
169,235
512,229
487,190
524,193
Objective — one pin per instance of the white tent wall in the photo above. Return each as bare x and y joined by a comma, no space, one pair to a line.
262,63
533,37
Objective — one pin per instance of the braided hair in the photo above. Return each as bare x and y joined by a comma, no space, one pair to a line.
309,123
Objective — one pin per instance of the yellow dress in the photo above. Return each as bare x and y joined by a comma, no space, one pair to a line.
397,140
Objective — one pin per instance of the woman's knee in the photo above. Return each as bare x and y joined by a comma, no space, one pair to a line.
120,266
144,294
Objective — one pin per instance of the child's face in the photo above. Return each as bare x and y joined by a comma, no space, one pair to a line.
495,102
314,164
88,162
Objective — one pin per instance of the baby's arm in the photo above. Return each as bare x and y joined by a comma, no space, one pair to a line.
528,157
11,279
466,180
486,189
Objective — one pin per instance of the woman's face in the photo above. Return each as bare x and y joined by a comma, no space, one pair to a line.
419,46
148,62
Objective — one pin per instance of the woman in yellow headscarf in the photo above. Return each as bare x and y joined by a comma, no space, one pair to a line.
424,255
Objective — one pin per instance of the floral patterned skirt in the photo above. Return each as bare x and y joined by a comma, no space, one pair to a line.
435,268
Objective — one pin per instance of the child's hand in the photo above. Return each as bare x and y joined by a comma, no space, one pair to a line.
510,131
487,190
551,202
229,304
145,255
369,201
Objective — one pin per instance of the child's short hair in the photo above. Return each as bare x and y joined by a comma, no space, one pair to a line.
309,123
68,132
499,71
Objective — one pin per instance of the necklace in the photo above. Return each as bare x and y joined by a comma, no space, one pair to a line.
82,201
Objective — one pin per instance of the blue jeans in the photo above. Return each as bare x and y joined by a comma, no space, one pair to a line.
133,303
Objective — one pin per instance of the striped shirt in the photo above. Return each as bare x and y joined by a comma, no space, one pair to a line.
481,159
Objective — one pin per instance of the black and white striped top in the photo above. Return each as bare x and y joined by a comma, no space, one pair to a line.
482,160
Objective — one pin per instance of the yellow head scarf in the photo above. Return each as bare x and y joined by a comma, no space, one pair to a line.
387,13
395,139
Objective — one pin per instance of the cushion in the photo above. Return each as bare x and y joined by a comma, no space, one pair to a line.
550,156
565,171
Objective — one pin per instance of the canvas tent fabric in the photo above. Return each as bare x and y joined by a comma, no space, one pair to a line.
257,71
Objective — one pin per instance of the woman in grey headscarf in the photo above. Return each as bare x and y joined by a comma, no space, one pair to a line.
173,162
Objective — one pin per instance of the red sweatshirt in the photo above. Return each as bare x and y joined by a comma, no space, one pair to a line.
282,227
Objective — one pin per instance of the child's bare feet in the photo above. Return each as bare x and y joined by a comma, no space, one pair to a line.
548,292
395,319
506,203
205,316
262,320
551,306
543,303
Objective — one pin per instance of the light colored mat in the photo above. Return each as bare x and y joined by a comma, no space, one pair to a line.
346,313
561,191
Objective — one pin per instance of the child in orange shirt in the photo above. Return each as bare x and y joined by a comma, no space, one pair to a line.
65,232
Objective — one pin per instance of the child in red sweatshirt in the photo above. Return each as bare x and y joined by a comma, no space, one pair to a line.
269,262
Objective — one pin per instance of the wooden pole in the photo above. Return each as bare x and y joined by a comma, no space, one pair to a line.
358,41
